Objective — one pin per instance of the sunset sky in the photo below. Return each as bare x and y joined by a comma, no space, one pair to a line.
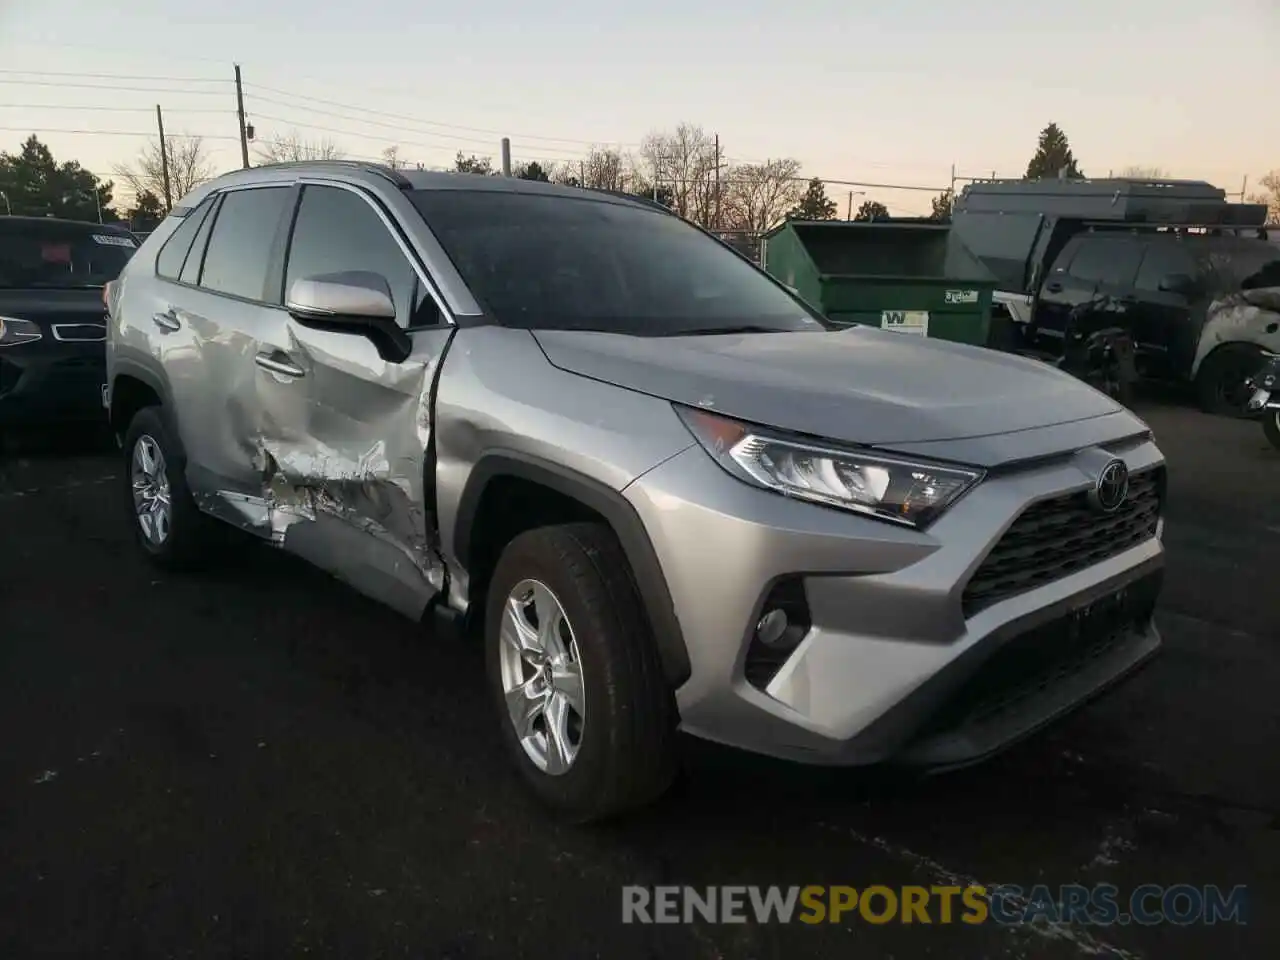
879,92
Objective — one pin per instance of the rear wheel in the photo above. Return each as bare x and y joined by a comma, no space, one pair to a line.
167,525
1221,383
585,710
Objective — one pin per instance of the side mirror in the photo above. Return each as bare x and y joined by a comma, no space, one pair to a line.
1177,283
356,302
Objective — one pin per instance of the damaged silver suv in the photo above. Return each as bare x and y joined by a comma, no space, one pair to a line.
665,491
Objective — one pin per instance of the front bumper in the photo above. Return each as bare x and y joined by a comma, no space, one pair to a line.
56,383
893,666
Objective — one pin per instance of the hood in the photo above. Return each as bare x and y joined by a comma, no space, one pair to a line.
859,385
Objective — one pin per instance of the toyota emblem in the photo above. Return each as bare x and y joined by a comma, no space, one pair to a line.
1112,487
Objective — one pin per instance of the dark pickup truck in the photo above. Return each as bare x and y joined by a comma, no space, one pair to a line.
1185,275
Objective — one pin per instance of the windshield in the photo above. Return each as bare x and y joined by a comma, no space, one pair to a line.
58,255
551,262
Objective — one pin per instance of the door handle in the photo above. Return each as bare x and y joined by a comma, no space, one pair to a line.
1053,286
166,320
277,363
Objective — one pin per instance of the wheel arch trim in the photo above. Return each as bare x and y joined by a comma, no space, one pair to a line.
159,385
622,518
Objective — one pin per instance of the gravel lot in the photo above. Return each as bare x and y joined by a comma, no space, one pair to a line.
261,763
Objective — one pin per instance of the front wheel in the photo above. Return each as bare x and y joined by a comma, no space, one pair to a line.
1271,426
585,710
1221,383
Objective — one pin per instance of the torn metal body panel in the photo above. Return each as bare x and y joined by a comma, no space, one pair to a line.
1249,316
337,456
342,472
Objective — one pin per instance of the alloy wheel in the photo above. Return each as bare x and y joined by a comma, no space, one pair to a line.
151,500
542,677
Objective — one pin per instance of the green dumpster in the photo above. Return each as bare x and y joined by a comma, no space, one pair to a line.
915,278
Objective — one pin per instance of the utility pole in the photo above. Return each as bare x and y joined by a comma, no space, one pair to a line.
244,138
717,181
1244,187
582,173
164,162
849,211
953,181
506,156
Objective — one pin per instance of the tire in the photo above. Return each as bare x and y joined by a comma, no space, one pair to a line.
192,538
1220,381
625,751
1271,426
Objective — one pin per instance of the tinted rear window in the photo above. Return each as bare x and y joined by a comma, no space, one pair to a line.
60,255
552,262
1227,264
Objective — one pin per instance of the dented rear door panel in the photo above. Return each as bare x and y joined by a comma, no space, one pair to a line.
217,393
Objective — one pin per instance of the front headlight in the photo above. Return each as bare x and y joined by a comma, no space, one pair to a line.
14,331
909,492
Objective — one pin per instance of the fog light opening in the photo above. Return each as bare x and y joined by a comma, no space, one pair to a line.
772,628
783,623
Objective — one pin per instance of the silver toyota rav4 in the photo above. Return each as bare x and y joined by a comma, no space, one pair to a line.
666,492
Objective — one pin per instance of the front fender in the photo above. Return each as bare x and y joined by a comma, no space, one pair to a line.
617,512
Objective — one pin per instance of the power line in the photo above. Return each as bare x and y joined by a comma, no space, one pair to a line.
120,133
431,123
96,108
113,76
377,123
103,86
368,136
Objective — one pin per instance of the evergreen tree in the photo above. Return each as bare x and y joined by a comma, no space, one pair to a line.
1053,155
872,210
36,185
815,204
942,206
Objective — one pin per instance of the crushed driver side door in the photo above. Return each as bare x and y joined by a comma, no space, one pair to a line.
345,478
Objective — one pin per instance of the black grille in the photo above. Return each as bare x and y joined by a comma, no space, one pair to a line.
1044,656
1057,537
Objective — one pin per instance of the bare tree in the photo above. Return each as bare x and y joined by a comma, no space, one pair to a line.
1270,195
189,166
391,157
482,166
684,160
1138,172
603,168
292,148
758,195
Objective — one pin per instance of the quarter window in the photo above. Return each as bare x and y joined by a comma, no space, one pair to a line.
174,252
195,258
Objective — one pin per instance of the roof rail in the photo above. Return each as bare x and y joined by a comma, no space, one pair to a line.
380,169
633,197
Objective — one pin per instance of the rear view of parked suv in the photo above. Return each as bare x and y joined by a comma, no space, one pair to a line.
661,490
